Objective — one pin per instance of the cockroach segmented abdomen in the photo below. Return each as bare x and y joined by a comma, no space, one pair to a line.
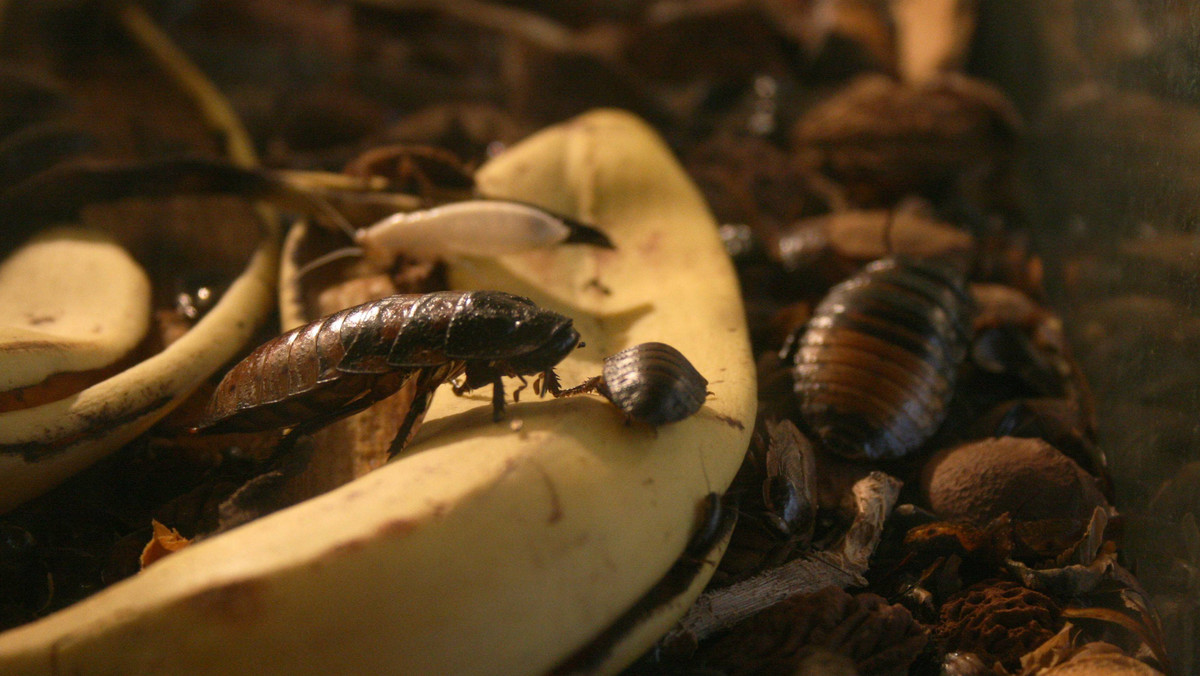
309,372
876,366
347,361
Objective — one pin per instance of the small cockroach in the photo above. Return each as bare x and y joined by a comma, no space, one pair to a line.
875,367
651,383
789,489
340,364
482,227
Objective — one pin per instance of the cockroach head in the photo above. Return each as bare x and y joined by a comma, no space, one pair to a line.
560,340
500,327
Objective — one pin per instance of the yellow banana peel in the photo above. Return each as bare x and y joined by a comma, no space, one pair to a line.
486,548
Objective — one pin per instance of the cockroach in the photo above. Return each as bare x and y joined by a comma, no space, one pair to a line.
789,489
875,367
340,364
483,227
651,383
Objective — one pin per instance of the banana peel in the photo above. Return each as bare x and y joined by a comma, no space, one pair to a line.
54,321
43,445
485,548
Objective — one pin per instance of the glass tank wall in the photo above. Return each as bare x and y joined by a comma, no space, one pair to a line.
1110,91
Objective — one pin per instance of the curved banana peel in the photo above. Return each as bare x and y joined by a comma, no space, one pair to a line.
44,445
485,548
53,320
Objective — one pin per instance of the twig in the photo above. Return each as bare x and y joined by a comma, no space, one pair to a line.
213,106
529,26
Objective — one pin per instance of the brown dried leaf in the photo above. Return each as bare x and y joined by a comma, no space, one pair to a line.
163,542
843,565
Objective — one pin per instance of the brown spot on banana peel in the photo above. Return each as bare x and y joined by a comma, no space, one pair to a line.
556,509
231,602
728,420
396,528
99,425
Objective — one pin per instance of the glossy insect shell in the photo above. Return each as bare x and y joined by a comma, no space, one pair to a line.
876,365
654,383
350,359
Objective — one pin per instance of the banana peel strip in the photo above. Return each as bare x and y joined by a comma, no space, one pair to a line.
72,433
486,548
87,426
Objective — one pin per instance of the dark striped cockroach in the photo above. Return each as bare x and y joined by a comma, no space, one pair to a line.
651,383
875,367
340,364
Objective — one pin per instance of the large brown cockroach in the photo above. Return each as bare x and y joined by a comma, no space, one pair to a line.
343,363
876,365
651,383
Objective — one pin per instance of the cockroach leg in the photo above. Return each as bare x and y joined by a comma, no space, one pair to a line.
517,392
592,384
549,382
497,399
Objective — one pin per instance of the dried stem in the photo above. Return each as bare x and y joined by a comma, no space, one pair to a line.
213,107
528,26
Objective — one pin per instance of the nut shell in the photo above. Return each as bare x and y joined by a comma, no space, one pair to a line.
1027,478
998,620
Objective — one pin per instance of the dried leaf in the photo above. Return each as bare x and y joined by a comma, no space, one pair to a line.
789,491
1067,581
163,542
843,565
1149,636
